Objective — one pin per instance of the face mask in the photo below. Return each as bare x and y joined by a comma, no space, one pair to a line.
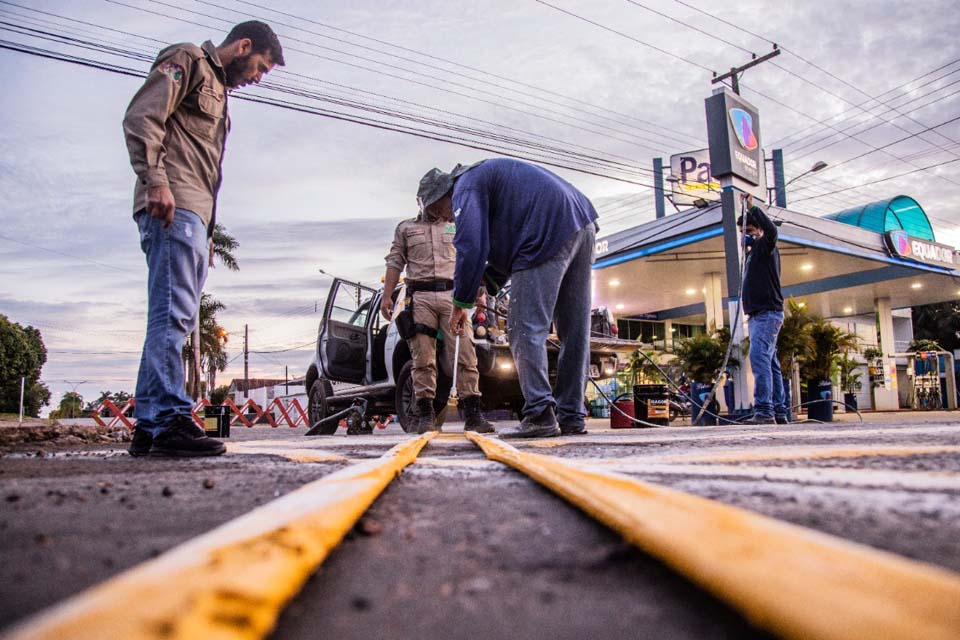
748,240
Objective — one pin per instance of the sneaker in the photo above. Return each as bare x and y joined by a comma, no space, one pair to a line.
574,429
183,438
142,441
542,425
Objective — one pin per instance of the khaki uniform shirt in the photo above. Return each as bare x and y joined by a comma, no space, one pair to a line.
424,248
176,127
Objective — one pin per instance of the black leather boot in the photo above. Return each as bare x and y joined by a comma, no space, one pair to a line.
427,420
474,416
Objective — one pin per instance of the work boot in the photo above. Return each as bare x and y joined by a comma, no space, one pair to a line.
758,419
474,417
573,429
142,441
782,420
427,420
183,438
541,425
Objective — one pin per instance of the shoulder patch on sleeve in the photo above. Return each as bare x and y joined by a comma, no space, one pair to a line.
172,70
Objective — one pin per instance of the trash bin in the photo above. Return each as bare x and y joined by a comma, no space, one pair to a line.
699,392
651,403
820,404
216,421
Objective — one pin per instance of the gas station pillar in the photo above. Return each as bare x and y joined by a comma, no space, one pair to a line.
886,397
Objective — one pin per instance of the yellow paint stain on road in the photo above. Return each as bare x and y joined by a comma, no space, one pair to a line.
294,454
795,582
232,582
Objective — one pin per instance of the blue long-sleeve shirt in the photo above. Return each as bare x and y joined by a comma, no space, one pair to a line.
511,216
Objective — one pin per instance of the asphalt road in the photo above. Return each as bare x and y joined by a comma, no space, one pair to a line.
460,547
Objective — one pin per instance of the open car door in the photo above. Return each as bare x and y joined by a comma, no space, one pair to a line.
343,334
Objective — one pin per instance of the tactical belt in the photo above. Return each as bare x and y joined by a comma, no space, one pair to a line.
406,327
430,285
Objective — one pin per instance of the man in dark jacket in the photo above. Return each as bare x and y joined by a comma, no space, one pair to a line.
520,221
762,302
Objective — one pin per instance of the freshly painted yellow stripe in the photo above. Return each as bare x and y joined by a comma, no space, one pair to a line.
812,452
232,582
672,435
793,581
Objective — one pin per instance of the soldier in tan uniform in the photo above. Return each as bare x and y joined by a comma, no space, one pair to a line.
425,248
176,128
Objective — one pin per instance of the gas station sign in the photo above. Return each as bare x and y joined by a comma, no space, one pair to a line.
733,131
691,178
901,245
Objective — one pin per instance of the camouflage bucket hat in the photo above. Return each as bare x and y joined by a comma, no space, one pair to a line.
433,185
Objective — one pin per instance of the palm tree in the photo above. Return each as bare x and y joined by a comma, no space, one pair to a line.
224,245
209,349
211,346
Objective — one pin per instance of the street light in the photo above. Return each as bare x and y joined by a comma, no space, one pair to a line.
819,165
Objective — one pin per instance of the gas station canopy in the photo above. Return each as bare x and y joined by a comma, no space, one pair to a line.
671,267
901,212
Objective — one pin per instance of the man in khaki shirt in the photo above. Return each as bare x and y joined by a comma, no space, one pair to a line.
425,247
175,129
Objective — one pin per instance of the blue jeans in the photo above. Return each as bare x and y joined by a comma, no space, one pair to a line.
768,396
176,270
556,291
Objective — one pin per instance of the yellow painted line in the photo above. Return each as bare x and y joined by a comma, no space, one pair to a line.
795,582
232,582
670,435
811,452
878,478
290,453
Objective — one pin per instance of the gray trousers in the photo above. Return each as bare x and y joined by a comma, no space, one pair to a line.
556,291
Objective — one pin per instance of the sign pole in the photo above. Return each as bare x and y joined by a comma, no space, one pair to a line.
23,383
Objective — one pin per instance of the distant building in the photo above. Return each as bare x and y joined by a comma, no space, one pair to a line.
263,391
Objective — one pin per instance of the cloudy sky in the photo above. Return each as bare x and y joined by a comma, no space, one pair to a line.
603,86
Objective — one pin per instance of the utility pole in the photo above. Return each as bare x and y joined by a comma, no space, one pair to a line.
734,73
286,380
23,384
246,361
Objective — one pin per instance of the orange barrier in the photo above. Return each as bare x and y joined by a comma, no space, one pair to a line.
292,415
117,414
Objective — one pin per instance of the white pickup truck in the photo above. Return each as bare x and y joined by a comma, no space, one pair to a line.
361,357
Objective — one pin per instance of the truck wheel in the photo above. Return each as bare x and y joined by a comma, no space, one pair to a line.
406,405
317,408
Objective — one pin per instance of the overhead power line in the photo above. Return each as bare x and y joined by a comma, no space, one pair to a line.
744,85
873,182
844,117
539,112
888,145
627,36
796,55
446,61
335,115
577,157
631,168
